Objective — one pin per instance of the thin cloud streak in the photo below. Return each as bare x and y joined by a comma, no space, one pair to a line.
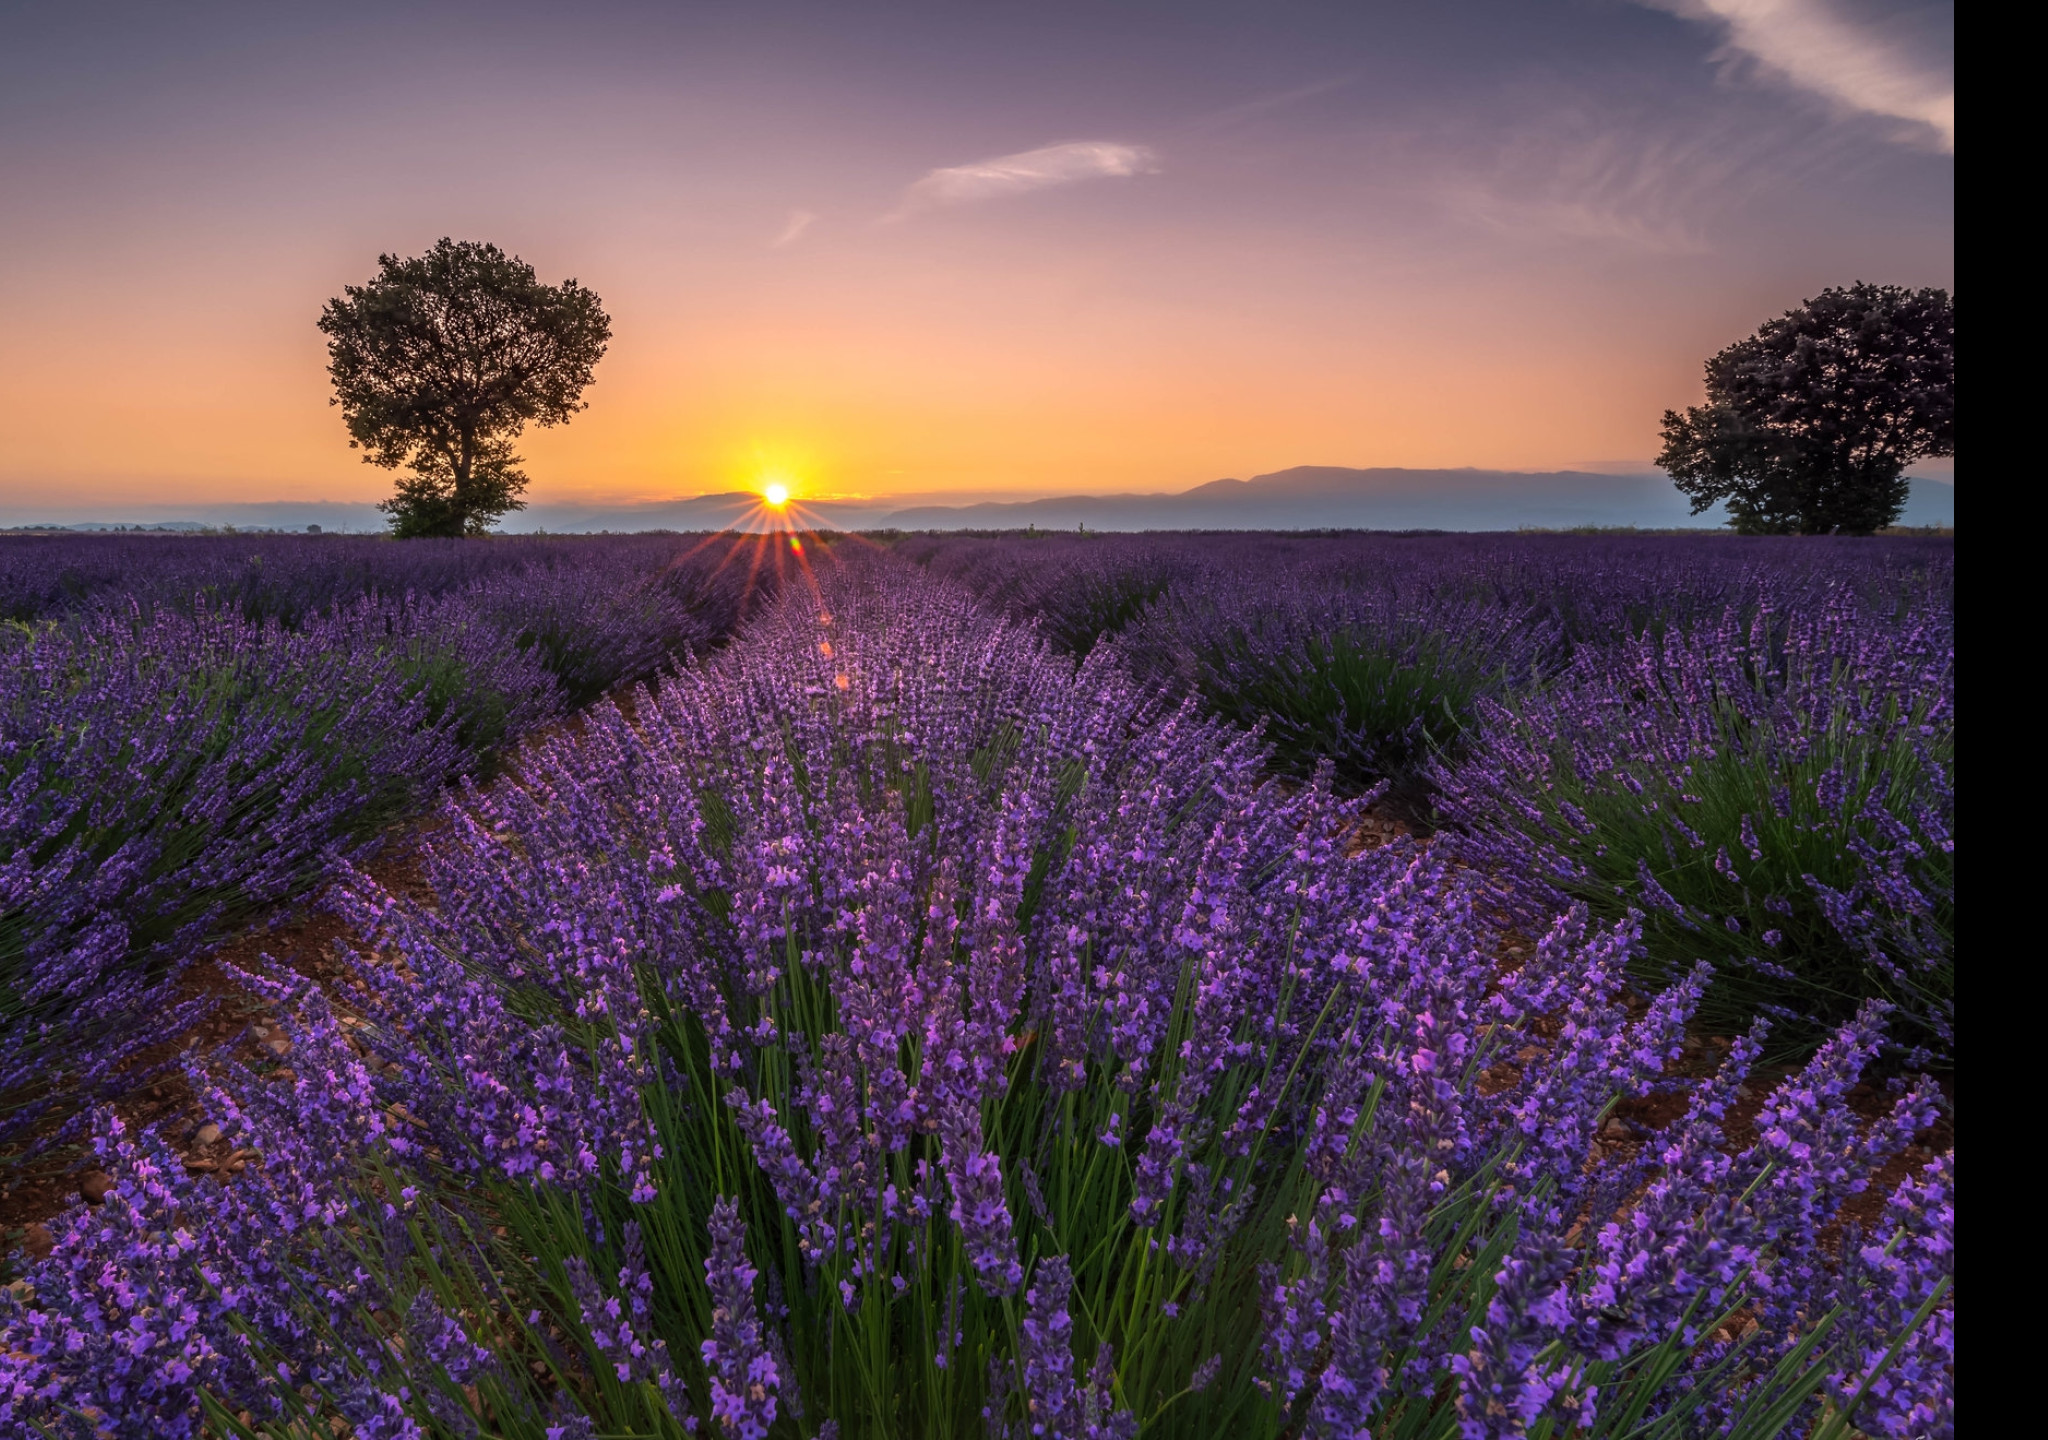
1817,48
1232,115
1592,178
1026,171
799,221
1574,220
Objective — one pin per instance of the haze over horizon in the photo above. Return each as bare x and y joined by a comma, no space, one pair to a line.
957,253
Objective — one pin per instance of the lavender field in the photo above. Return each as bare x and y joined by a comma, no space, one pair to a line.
1027,986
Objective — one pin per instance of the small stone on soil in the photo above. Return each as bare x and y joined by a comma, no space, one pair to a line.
96,1186
206,1134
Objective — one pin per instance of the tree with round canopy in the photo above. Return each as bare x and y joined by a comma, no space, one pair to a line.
441,360
1811,423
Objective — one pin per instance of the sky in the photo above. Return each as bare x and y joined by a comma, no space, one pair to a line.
971,250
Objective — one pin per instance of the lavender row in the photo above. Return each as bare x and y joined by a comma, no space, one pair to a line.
1083,589
281,577
1751,741
172,771
1775,792
896,1029
1368,679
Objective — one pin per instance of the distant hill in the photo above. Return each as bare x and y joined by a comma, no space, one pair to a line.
261,515
727,510
1329,496
1308,497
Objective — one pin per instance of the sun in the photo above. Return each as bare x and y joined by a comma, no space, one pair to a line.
776,494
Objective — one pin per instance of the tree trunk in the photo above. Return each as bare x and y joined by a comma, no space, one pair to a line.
465,464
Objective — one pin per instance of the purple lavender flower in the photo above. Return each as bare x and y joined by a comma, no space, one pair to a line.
1896,1281
744,1376
899,907
1051,1400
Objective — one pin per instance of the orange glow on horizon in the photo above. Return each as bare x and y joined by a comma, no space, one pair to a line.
907,403
1456,252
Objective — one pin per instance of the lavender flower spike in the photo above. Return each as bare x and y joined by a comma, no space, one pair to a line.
744,1377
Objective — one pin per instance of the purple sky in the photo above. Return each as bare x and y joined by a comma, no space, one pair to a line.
962,249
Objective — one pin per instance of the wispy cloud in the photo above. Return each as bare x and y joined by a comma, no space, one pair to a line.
799,221
1245,110
1024,171
1587,172
1853,61
1576,220
1586,180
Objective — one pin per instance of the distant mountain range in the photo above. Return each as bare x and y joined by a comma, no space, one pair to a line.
1307,497
1323,496
1327,496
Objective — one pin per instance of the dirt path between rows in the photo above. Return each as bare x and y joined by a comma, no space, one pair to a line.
303,937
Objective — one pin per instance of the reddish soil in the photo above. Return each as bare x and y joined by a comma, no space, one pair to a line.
1873,1102
302,938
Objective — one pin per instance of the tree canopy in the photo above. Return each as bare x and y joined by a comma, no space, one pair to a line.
441,360
1811,423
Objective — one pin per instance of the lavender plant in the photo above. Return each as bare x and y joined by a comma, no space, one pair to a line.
289,578
1593,589
1371,651
171,776
1085,596
1363,678
174,768
894,1029
1775,793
